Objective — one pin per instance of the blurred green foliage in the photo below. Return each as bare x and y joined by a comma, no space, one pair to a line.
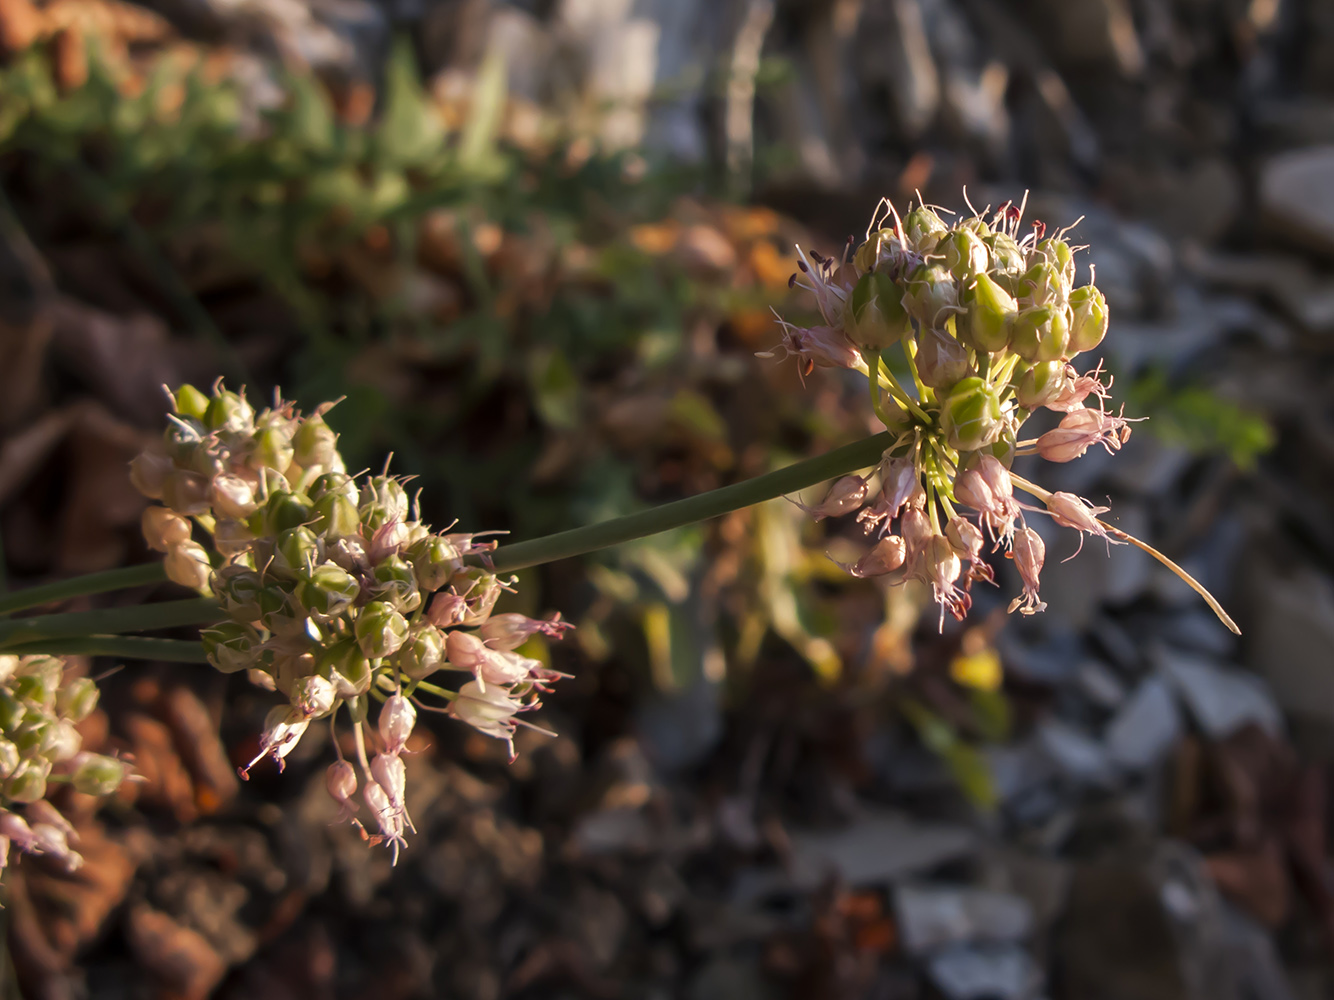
1197,418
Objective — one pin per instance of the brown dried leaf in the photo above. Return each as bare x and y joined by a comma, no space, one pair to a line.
181,959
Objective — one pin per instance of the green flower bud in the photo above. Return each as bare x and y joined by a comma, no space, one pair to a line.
42,671
11,711
941,360
971,415
315,443
423,654
9,758
95,774
991,314
931,292
965,253
77,699
380,630
1040,333
297,551
877,318
396,584
1040,384
189,402
271,448
228,411
32,736
1008,262
435,559
240,591
869,253
337,483
346,667
1061,257
336,516
231,646
383,499
922,229
1042,285
328,590
28,783
1089,325
283,512
63,742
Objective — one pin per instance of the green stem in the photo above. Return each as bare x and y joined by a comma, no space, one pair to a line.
901,394
80,586
139,618
577,541
122,647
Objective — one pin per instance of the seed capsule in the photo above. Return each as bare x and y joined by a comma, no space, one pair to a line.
972,415
380,630
328,590
991,314
878,317
1089,325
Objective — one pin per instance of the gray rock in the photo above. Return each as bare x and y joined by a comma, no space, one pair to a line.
880,848
1100,685
1146,728
1018,769
1154,928
1221,699
995,973
1290,641
931,917
1297,197
1082,759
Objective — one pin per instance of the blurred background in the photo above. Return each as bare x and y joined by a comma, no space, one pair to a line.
534,245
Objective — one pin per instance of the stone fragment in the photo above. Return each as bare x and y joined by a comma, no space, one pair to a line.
1146,727
931,917
1297,197
882,847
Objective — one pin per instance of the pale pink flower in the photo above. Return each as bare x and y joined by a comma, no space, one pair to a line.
1078,388
508,631
1080,429
886,555
900,485
1070,511
845,496
389,819
341,782
283,729
391,774
397,719
1028,552
986,487
816,347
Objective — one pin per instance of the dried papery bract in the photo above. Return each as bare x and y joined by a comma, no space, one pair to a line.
990,323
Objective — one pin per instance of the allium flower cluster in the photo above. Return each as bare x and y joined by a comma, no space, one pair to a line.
39,748
335,591
988,320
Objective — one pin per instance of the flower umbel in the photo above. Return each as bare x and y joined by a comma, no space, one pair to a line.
337,593
990,322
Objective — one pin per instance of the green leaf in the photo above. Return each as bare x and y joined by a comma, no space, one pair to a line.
310,119
488,105
555,389
410,131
